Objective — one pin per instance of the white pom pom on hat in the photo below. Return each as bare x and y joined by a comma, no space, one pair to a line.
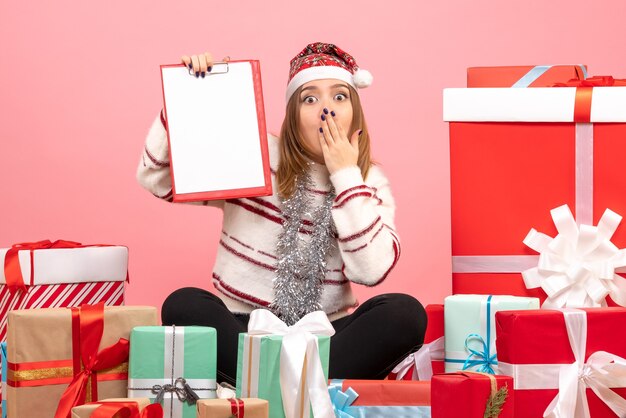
320,61
362,78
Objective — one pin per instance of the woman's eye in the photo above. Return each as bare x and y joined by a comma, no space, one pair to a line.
340,97
310,99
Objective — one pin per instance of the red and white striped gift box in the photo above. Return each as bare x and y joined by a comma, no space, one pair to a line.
65,277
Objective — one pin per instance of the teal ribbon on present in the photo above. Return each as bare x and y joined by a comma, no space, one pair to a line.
483,359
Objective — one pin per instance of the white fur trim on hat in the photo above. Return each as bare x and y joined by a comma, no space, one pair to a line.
319,73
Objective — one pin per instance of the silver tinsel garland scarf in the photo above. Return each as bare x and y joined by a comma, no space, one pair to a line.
302,265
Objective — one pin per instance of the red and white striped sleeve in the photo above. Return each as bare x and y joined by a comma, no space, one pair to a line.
153,172
364,216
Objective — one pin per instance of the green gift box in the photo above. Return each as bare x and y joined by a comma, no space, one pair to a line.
258,368
172,365
470,329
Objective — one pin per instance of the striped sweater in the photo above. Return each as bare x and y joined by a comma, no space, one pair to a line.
366,247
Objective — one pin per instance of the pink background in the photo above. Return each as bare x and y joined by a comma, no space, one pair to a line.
80,85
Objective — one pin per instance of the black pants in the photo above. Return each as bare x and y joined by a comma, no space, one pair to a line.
367,344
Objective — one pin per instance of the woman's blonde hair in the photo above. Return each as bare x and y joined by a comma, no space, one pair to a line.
294,157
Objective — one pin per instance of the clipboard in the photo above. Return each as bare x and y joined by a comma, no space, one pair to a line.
216,132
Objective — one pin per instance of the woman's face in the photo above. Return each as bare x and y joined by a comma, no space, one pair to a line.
315,96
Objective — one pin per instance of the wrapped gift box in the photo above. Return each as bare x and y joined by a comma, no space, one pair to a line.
61,277
43,365
233,408
471,393
275,359
174,356
380,398
524,75
85,411
470,329
537,342
258,368
514,155
429,358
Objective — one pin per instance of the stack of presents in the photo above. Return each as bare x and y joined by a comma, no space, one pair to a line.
532,328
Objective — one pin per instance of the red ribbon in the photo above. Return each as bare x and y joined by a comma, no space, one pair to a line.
127,410
13,271
236,407
584,92
87,330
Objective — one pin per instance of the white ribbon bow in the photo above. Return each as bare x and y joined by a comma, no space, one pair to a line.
601,372
421,359
302,380
577,268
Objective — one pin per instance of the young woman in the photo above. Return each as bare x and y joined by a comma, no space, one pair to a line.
328,225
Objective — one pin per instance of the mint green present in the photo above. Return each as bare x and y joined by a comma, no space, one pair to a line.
258,368
173,366
470,329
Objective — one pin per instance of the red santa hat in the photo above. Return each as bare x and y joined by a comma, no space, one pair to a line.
319,61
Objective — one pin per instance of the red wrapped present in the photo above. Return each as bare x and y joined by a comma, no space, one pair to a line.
517,153
472,395
565,363
380,398
524,75
60,274
429,358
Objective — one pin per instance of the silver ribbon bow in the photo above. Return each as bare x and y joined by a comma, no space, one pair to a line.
183,391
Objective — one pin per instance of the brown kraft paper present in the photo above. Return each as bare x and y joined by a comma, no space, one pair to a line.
85,411
41,364
227,408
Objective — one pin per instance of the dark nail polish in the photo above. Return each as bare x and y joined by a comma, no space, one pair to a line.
360,132
325,111
323,117
203,74
190,66
332,113
321,130
197,74
210,68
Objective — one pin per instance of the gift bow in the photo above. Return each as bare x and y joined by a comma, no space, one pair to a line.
596,81
341,400
301,375
601,372
577,268
87,330
421,359
183,391
12,269
126,410
483,358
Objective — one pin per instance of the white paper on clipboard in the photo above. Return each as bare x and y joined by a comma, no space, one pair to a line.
213,128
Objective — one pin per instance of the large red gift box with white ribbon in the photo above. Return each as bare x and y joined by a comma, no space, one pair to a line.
517,153
572,361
